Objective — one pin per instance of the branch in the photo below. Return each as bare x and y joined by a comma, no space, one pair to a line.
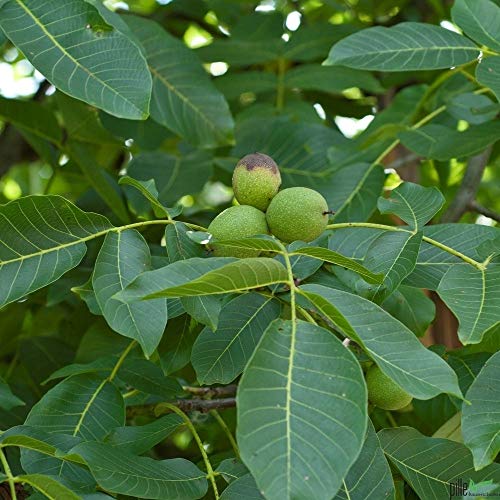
468,189
210,392
474,206
205,405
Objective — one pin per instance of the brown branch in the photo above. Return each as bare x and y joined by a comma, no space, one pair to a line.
205,405
468,189
210,392
474,206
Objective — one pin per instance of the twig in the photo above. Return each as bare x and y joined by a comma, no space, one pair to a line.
204,405
468,189
474,206
210,392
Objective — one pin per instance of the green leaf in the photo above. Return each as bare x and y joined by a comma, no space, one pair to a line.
31,117
480,422
243,488
301,416
338,259
412,307
103,366
51,242
86,293
488,74
118,471
26,437
83,406
174,176
355,190
473,296
220,356
244,274
431,465
149,191
479,20
48,486
124,256
404,47
393,254
473,108
104,184
330,79
81,121
433,263
443,143
8,400
139,439
92,62
148,378
179,245
198,113
231,469
175,347
395,349
467,367
263,242
369,478
414,204
232,85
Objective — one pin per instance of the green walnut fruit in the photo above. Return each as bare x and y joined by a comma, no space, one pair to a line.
256,180
384,392
237,222
297,213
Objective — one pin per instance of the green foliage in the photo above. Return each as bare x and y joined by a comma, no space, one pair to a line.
173,326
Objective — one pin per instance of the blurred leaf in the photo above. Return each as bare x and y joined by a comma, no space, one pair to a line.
220,356
198,113
8,400
331,79
174,176
85,61
395,349
467,366
31,117
232,85
104,184
442,143
480,425
404,47
473,108
292,396
81,121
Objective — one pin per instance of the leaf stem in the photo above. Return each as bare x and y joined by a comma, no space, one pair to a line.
391,419
208,465
120,361
456,253
306,315
227,431
8,473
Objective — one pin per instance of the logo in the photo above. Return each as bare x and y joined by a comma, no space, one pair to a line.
462,489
